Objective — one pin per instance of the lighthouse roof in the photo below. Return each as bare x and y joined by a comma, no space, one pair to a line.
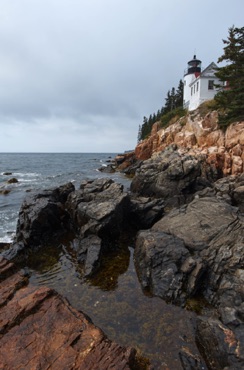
194,60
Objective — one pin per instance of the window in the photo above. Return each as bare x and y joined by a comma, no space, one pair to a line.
191,90
210,84
194,89
197,85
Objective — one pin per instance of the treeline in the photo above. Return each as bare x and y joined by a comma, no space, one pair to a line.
230,100
173,100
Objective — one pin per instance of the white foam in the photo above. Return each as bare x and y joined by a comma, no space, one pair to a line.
7,238
28,174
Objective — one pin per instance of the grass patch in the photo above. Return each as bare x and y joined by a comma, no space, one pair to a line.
171,117
206,107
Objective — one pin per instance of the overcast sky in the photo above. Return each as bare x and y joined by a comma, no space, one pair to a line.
79,75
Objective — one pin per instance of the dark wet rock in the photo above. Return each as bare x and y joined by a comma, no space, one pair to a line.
107,169
17,251
12,180
42,219
4,245
197,250
165,266
131,169
7,173
42,216
89,252
238,196
98,208
198,222
144,212
95,213
214,232
231,189
39,329
95,186
4,191
221,347
225,278
172,177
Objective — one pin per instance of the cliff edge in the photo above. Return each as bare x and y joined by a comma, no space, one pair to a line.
197,134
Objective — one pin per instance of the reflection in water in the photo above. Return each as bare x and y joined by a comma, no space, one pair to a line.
115,302
114,264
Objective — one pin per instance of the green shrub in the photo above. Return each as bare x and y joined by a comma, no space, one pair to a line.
171,117
206,107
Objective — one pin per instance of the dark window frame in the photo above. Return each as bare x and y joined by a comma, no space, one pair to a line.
210,84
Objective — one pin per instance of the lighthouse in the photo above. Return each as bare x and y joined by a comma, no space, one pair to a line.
191,73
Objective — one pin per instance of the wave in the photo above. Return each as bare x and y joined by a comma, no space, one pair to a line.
27,174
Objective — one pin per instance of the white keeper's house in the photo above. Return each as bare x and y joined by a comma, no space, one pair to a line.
199,85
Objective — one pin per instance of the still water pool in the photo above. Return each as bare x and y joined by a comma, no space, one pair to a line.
115,302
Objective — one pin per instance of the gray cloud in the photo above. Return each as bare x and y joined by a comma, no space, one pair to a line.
75,69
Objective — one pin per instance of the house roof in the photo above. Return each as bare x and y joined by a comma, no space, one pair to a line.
209,71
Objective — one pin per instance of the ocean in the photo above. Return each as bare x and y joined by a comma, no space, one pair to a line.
35,171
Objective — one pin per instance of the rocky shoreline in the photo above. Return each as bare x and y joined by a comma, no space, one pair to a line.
186,214
39,329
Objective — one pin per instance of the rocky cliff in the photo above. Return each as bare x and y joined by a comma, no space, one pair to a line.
198,135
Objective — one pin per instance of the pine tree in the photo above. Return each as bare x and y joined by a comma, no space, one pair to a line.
154,118
167,107
158,115
162,111
179,94
172,99
139,134
147,126
231,98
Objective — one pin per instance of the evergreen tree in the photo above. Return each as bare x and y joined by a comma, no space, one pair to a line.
231,98
162,111
179,95
167,107
139,134
146,127
154,118
172,99
158,115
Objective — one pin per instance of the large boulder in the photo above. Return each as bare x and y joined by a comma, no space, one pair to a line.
89,253
42,220
143,212
198,247
173,176
98,208
198,222
165,266
42,215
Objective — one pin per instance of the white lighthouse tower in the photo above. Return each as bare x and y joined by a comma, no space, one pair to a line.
192,72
